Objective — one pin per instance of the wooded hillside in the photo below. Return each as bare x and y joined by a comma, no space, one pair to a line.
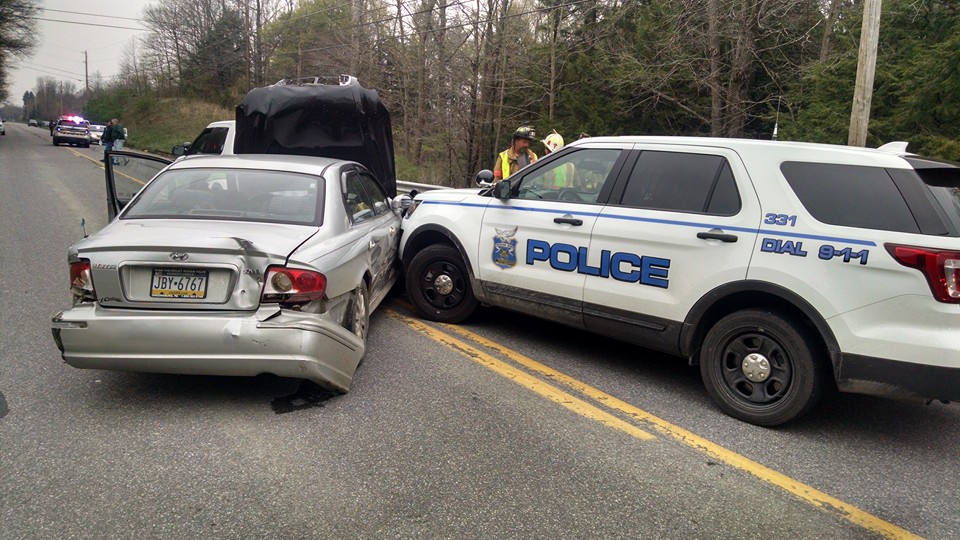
459,76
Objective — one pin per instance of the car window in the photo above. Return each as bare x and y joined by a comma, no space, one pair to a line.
682,182
375,194
245,195
359,203
210,141
575,177
850,195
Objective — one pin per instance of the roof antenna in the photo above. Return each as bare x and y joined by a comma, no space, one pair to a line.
776,123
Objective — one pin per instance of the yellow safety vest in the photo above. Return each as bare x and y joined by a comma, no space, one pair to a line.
505,162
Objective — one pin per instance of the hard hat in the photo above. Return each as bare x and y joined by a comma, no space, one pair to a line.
553,142
525,132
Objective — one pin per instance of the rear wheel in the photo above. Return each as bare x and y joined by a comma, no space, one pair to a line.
761,367
438,284
358,315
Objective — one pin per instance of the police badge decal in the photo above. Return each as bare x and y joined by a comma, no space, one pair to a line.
505,248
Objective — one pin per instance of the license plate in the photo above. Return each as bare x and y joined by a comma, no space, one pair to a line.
178,283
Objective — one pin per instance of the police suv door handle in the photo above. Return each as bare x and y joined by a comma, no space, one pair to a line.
569,221
717,234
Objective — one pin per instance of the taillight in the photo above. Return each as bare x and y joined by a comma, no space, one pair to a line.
292,286
940,267
81,281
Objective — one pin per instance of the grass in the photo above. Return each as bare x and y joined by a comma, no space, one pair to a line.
157,124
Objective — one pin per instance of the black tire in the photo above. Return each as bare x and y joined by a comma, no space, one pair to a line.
358,314
56,142
786,387
438,284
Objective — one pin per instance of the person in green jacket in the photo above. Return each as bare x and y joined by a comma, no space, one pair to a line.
119,137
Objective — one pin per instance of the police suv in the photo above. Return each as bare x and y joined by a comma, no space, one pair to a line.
783,269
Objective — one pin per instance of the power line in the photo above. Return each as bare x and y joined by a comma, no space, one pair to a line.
89,24
92,14
32,64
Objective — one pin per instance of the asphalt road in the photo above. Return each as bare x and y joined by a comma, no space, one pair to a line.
447,433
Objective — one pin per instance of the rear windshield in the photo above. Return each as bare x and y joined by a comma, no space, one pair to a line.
943,179
231,194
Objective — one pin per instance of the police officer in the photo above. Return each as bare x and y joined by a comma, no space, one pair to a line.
518,156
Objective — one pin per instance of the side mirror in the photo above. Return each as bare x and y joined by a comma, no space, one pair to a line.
180,149
485,178
402,202
501,190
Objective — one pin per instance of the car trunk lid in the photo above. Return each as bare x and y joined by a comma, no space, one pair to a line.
189,264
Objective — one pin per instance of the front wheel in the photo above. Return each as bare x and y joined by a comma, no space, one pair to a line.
439,286
761,367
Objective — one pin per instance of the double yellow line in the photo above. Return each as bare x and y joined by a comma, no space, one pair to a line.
525,378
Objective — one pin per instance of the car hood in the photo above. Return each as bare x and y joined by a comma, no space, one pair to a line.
345,122
448,194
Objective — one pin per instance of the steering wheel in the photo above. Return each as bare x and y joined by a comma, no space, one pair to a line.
569,195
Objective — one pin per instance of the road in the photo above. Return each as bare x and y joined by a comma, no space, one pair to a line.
504,427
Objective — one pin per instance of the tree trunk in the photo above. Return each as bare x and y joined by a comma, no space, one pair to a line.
831,21
716,88
741,69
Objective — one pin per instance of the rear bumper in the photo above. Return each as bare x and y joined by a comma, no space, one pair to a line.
894,378
281,342
66,137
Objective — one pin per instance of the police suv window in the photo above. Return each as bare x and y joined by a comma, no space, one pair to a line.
574,177
850,196
682,182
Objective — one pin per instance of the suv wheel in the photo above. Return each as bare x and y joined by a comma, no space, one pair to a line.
438,284
760,367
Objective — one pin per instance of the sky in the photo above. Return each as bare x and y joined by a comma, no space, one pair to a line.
59,53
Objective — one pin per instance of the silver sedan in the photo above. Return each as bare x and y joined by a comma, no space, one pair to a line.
232,265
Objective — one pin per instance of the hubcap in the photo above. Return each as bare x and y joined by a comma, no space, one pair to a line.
443,284
756,367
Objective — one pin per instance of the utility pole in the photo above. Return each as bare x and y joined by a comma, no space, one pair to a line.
866,67
86,76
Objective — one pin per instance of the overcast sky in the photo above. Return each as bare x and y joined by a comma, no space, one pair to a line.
59,53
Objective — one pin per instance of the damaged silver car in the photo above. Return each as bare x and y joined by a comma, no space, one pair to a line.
232,265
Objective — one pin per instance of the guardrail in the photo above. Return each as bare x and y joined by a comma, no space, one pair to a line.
407,187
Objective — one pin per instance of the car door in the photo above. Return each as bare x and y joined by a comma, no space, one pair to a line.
531,243
126,174
369,209
682,221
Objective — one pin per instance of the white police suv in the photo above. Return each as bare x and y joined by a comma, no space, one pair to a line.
783,269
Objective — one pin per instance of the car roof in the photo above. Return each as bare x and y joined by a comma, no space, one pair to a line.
888,154
222,123
274,162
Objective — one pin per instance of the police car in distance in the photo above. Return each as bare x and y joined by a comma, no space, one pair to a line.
782,269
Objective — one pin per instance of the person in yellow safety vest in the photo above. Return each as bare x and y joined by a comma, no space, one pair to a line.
563,175
518,156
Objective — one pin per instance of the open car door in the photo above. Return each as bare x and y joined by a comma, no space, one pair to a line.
127,173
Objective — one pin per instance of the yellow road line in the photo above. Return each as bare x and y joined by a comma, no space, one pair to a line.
524,379
101,165
813,496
